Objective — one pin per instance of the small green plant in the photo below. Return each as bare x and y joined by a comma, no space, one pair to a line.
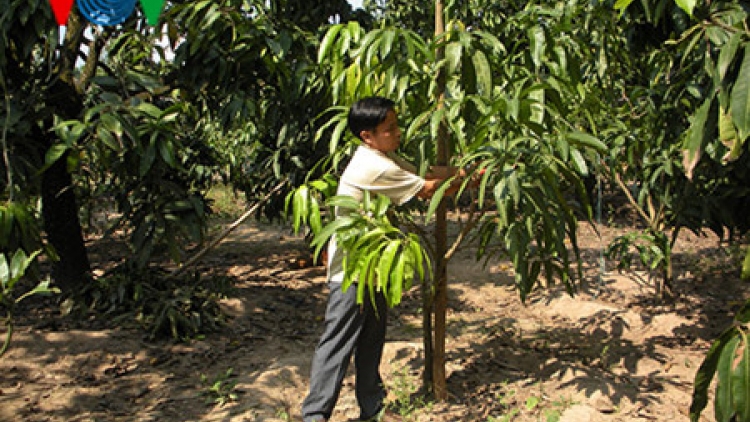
181,308
654,251
224,201
532,403
551,415
404,387
536,405
504,418
506,400
283,414
11,272
220,390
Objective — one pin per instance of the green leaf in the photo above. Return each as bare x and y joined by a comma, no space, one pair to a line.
343,201
723,402
579,162
483,73
147,159
437,198
453,56
538,44
336,136
150,110
329,230
385,265
112,124
387,42
740,98
419,256
300,207
743,315
166,152
107,139
726,56
55,152
380,206
746,265
694,139
394,294
687,5
43,288
19,262
369,238
741,379
327,43
315,221
4,271
586,140
366,201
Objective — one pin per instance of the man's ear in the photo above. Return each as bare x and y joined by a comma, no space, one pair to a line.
366,136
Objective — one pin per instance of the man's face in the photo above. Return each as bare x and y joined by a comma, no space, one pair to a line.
387,135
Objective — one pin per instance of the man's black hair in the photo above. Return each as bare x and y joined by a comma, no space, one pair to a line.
368,113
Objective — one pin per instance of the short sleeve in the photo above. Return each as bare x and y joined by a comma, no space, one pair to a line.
372,171
398,185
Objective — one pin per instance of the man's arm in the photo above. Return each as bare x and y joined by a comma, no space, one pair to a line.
438,174
441,172
431,185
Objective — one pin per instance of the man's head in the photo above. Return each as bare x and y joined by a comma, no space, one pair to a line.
374,121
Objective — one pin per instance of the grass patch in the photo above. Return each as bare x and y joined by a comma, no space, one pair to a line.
225,202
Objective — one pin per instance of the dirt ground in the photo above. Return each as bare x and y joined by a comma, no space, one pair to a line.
611,353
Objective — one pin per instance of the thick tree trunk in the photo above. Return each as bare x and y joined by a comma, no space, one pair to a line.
63,227
59,205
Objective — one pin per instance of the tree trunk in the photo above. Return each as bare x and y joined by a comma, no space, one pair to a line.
427,310
441,244
63,227
59,206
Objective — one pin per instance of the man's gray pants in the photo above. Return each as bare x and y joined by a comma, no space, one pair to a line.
349,329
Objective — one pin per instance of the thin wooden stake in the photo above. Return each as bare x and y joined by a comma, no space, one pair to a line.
190,262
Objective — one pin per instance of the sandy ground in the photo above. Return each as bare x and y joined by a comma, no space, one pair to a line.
611,353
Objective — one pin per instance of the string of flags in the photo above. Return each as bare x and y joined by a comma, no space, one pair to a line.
106,12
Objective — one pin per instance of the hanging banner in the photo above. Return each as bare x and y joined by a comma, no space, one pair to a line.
106,12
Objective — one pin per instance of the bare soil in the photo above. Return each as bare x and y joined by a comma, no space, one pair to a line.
613,352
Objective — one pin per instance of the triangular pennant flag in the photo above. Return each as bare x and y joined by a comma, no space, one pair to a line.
61,9
152,9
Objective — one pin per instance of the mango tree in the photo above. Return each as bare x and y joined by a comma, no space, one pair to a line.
122,130
503,101
705,55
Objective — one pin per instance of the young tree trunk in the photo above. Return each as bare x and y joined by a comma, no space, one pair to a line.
441,244
427,310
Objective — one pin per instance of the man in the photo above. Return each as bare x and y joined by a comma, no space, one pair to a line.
349,327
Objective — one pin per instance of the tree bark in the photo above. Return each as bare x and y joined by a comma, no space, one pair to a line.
59,205
440,389
63,227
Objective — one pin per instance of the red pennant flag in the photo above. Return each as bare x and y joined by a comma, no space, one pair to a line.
61,8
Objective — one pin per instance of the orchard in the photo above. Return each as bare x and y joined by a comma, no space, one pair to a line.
596,137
